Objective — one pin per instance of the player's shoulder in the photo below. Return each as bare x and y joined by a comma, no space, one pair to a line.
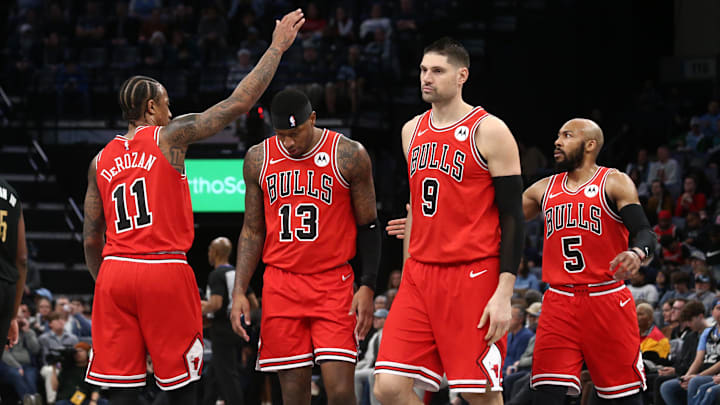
617,178
348,145
537,189
254,159
410,125
493,128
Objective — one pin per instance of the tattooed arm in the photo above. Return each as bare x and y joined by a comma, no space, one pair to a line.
94,223
356,168
251,240
190,128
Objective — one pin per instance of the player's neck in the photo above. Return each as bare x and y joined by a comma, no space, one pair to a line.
132,127
448,113
582,174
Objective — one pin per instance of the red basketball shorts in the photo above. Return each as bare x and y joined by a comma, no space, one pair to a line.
306,318
146,306
432,327
596,323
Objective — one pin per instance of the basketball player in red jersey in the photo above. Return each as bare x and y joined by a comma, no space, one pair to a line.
465,238
138,226
309,205
588,314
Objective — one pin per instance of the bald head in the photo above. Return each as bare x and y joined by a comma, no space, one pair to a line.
589,130
219,251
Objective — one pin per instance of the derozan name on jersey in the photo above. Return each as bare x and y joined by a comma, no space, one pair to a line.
129,161
423,157
568,216
289,184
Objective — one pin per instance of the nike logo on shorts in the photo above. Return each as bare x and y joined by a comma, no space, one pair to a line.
273,161
623,303
473,274
345,277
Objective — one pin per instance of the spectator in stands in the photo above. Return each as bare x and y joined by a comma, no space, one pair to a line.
665,169
185,21
704,290
692,320
708,121
212,30
182,51
642,290
673,329
394,279
391,293
315,23
691,200
343,93
695,136
680,282
665,313
17,367
153,51
518,336
341,26
26,44
75,323
525,280
254,44
532,161
662,281
310,76
364,369
701,370
90,28
521,368
240,69
641,164
696,233
54,51
407,23
69,380
52,343
151,24
379,59
122,29
73,89
57,20
653,344
380,302
377,20
39,322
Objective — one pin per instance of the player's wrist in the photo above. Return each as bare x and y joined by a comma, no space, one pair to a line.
638,252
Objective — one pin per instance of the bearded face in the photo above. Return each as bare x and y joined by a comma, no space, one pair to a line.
569,159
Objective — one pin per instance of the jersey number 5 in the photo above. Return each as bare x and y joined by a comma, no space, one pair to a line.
575,262
143,216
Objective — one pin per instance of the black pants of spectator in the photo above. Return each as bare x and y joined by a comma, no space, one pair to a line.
7,306
654,382
226,368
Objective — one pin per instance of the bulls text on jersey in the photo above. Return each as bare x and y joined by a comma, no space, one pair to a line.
424,157
128,161
287,183
570,215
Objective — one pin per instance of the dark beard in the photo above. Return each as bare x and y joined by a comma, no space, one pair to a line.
572,161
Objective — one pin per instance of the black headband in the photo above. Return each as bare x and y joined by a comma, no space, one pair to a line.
290,109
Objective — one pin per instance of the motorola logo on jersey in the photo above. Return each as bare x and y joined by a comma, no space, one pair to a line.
322,159
461,133
591,190
570,215
290,182
425,156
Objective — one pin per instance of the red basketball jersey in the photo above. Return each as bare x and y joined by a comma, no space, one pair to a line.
146,201
582,233
454,217
309,219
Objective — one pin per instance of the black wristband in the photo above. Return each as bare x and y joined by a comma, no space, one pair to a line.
641,235
369,240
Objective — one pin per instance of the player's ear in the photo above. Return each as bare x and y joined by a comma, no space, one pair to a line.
150,107
463,75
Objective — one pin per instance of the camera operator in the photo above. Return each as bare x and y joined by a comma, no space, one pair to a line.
69,381
53,342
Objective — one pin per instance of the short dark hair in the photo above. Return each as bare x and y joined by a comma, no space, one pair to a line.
679,277
53,316
691,310
452,49
135,93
